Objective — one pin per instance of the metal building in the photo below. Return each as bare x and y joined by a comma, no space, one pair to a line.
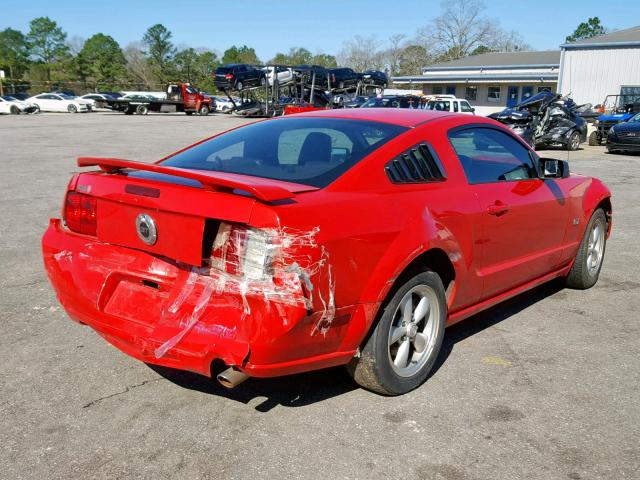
605,65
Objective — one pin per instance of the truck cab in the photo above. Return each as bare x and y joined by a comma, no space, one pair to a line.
192,99
449,103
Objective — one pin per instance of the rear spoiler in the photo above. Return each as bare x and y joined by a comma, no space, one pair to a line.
263,189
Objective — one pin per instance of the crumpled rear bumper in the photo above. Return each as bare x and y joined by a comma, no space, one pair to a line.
168,314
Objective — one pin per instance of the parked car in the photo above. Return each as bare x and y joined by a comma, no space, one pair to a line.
223,104
450,104
255,251
91,98
19,96
625,136
392,101
50,102
312,75
284,74
375,77
9,104
614,110
343,78
238,77
357,101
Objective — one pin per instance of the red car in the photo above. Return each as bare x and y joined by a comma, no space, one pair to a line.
341,237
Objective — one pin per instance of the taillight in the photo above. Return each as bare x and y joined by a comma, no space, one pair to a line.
228,76
242,251
80,213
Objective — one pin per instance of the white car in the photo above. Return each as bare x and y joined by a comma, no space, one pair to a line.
224,105
449,103
8,104
54,102
285,75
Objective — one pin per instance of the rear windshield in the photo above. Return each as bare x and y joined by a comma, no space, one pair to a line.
311,151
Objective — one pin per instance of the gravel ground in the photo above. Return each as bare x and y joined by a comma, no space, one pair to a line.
545,386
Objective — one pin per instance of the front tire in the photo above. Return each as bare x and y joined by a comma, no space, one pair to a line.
142,110
204,111
588,263
574,141
593,139
72,109
404,345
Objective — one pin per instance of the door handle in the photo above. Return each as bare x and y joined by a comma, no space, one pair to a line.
497,209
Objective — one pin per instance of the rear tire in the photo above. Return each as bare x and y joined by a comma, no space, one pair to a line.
593,139
142,110
588,263
404,345
239,86
14,110
37,108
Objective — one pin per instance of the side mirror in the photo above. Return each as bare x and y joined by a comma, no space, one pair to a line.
553,168
473,109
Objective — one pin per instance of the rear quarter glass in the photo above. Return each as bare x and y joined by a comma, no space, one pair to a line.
310,151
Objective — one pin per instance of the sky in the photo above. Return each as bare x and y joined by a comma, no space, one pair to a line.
272,26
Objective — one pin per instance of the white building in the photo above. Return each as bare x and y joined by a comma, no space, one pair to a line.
490,81
596,67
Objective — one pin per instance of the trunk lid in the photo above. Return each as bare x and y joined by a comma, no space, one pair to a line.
169,211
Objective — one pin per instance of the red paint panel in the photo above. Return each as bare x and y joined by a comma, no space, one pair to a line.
179,236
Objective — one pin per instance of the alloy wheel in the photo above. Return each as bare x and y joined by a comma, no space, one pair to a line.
595,248
413,331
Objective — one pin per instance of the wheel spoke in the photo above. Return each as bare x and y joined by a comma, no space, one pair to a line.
421,310
420,342
396,334
402,356
407,310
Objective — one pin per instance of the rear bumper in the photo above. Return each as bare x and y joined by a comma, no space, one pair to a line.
167,314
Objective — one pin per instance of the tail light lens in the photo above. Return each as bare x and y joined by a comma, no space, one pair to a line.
242,251
228,76
80,213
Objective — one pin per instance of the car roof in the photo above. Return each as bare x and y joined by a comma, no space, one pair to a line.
404,117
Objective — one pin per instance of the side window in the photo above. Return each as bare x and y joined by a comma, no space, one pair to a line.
488,155
455,106
465,107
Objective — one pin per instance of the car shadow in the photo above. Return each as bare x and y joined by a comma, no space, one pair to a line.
308,388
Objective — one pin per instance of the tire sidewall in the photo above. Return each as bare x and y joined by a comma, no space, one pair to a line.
72,109
392,382
597,217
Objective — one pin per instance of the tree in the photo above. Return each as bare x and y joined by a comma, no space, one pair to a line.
101,59
241,54
14,52
185,61
324,60
394,53
139,68
458,30
361,53
160,49
412,59
47,42
591,28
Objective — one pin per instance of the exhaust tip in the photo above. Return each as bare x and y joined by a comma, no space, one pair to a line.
231,377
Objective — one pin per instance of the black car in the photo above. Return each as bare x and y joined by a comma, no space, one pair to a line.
375,77
238,76
392,101
357,101
306,74
625,136
343,77
19,96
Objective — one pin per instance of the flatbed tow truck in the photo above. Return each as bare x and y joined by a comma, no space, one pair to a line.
181,97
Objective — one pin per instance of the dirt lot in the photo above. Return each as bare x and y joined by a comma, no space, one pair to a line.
543,387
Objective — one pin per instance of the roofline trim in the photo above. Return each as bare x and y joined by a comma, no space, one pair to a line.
448,78
576,46
492,67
